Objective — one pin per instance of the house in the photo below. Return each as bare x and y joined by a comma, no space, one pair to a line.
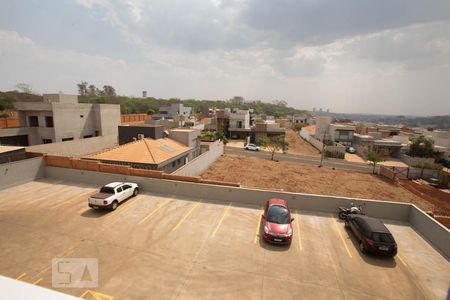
175,109
364,144
189,137
260,130
153,154
341,133
220,121
239,124
130,133
59,118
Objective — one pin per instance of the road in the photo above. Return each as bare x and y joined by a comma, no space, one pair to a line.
305,159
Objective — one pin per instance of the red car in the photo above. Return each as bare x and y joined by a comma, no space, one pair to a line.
277,222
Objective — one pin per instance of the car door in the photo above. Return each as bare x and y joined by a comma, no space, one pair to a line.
119,194
127,190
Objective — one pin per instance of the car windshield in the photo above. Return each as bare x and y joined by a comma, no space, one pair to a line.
107,190
278,214
379,237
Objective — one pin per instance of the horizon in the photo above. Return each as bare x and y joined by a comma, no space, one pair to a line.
374,58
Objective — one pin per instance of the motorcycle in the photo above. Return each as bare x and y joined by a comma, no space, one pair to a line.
345,211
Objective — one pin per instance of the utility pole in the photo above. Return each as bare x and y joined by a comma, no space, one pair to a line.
323,147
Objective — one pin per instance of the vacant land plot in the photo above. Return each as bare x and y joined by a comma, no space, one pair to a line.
294,177
159,247
299,146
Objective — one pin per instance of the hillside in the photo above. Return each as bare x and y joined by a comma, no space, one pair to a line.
129,105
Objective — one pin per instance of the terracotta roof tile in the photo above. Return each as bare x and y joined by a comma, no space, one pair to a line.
145,151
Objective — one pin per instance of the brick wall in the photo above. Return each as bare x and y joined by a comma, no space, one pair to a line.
9,123
134,118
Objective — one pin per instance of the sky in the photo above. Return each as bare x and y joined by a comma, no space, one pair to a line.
354,56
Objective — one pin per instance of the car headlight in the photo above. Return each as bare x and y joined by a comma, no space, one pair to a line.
266,229
289,232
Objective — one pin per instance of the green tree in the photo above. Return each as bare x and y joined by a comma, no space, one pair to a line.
421,147
374,158
273,143
150,111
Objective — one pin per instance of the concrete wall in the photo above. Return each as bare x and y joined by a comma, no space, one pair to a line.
435,233
201,163
415,161
22,171
316,143
76,147
128,133
431,230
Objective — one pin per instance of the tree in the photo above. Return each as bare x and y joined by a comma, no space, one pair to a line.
150,111
92,90
109,91
24,87
273,143
374,158
421,147
237,100
82,88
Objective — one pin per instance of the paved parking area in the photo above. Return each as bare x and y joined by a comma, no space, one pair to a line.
162,247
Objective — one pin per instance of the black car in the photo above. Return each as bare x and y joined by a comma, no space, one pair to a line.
372,235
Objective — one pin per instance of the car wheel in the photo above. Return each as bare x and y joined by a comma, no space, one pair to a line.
362,247
135,192
342,215
114,205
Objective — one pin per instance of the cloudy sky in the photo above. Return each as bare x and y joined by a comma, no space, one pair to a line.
363,56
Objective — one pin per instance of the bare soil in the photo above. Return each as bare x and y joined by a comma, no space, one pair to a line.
294,177
299,146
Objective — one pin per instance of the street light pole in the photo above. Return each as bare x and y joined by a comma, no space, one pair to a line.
323,147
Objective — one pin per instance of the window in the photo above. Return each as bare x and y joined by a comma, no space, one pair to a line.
87,136
278,215
67,139
81,116
49,121
33,121
382,237
126,187
46,141
107,190
173,164
119,189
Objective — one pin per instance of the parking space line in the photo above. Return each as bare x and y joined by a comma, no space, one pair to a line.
342,237
67,201
298,230
21,276
96,295
69,251
123,208
37,281
186,215
154,211
402,261
258,227
221,219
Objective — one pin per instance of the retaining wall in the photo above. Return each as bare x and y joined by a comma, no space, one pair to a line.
415,161
201,163
21,171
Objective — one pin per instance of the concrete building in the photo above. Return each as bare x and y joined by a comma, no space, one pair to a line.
60,118
265,129
189,137
161,154
239,124
364,144
220,121
341,133
130,133
175,109
322,128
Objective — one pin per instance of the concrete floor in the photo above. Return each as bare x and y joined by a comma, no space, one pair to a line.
157,247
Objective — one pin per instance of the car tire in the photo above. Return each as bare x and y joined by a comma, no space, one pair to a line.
342,215
135,192
362,247
114,205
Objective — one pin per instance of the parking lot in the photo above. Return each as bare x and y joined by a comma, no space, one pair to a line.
162,247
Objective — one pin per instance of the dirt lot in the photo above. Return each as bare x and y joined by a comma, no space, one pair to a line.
288,176
298,146
161,247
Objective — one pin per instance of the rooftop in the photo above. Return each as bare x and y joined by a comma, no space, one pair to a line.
145,151
4,149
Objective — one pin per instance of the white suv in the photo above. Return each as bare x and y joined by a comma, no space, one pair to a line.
112,194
